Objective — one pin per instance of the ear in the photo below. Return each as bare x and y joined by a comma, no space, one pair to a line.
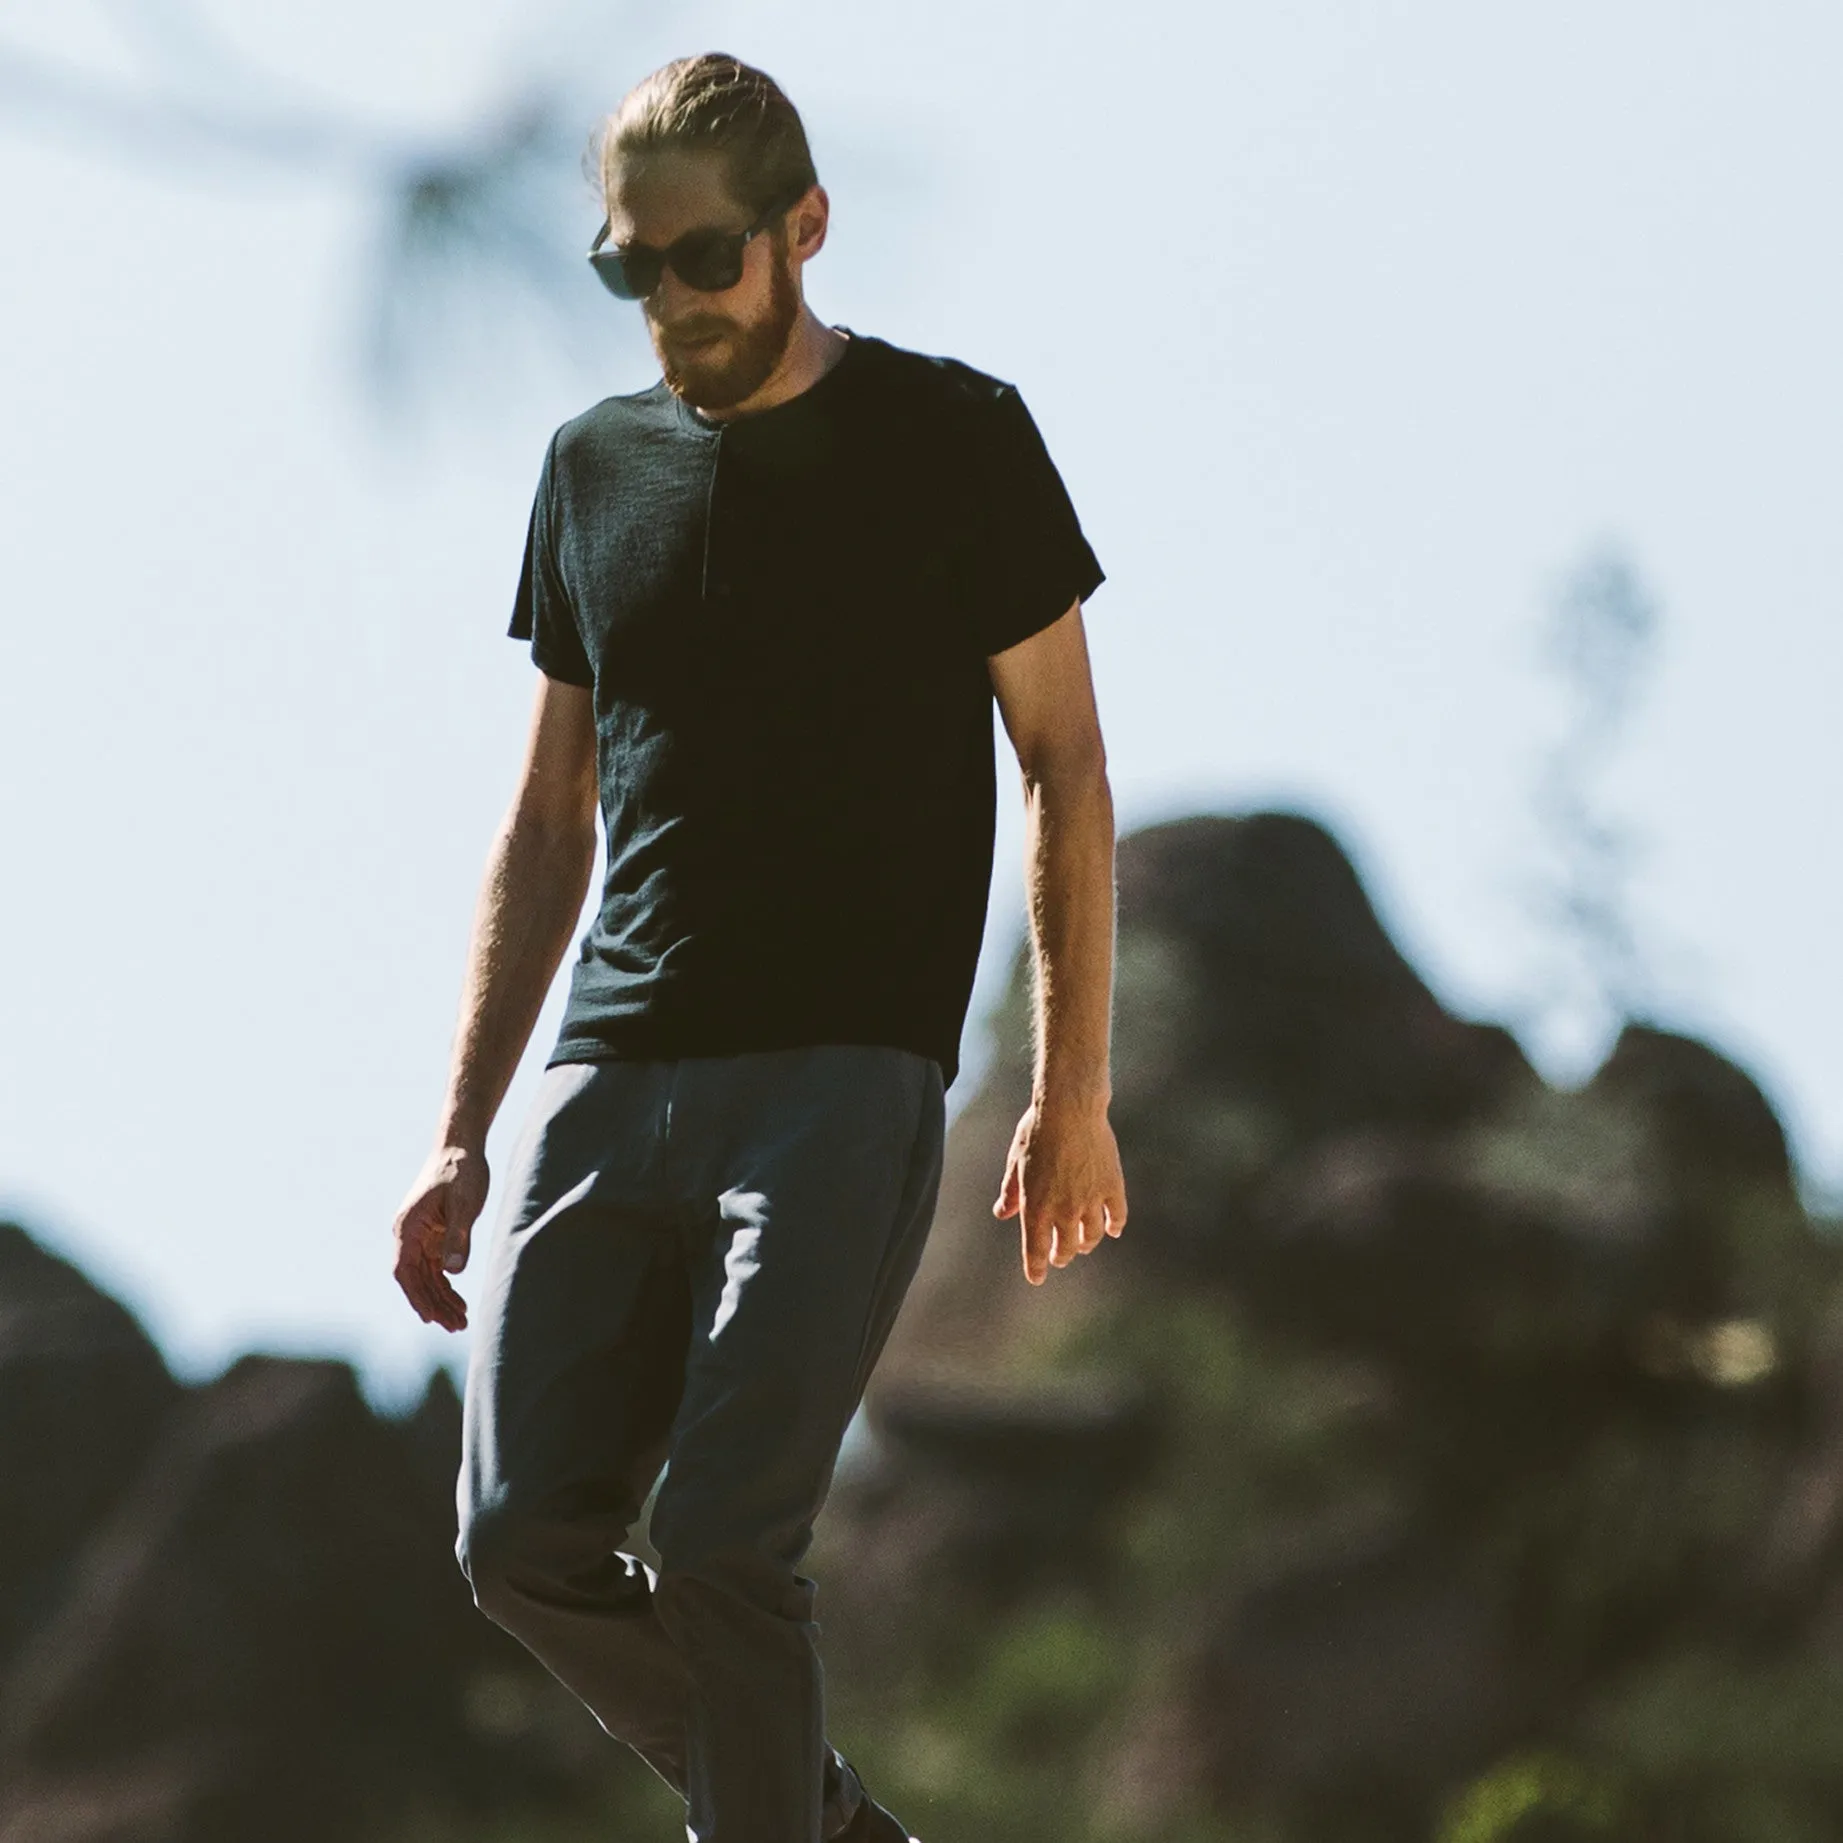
807,224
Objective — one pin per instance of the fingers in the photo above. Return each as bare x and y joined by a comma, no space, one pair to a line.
451,1308
1046,1244
428,1291
437,1301
1038,1235
1008,1194
1072,1236
1054,1239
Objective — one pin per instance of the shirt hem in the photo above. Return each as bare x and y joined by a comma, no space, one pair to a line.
665,1048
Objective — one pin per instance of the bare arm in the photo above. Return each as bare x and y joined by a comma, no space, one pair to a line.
537,874
1063,1178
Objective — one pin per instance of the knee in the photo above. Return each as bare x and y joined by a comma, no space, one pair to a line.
715,1609
502,1551
699,1570
734,1541
516,1555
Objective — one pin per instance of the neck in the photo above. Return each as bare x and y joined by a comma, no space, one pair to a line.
813,348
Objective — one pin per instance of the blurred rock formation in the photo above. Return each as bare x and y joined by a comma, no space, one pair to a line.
1479,1407
233,1611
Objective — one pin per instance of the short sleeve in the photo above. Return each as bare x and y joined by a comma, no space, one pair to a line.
1035,561
542,611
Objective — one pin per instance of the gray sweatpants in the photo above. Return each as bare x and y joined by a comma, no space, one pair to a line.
695,1266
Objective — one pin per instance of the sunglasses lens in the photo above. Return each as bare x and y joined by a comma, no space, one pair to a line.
628,276
708,261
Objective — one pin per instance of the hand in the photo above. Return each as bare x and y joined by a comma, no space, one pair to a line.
433,1230
1063,1181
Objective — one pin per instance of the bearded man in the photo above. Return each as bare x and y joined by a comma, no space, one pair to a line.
772,599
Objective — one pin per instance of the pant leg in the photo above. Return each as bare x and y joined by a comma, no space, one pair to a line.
820,1167
574,1374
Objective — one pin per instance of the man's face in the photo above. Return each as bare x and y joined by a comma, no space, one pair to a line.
716,350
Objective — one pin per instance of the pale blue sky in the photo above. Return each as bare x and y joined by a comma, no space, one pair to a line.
1352,327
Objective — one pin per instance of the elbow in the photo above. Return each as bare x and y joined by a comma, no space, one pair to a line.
565,839
1073,772
571,845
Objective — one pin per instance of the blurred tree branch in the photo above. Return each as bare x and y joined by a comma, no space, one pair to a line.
474,220
1599,641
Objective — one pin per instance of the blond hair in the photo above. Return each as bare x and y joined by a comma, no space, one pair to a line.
714,103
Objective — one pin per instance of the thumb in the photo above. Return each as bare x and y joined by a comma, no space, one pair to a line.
456,1239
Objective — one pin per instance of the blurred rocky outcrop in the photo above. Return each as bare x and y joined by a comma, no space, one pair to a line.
1464,1411
82,1394
234,1610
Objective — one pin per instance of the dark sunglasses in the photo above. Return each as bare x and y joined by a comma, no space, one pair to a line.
707,260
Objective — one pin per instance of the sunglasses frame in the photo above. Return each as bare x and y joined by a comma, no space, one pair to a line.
610,264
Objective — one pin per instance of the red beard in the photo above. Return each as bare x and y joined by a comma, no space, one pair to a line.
721,375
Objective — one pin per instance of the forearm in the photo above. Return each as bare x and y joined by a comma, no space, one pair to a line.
1069,871
530,899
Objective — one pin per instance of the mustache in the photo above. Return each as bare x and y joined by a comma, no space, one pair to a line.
704,326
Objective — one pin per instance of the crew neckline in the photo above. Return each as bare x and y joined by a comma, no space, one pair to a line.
693,419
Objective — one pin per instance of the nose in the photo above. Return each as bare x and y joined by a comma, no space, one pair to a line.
672,300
